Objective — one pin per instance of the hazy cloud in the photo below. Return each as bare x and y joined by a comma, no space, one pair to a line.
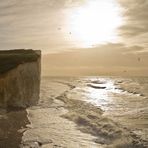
106,55
34,23
136,17
107,59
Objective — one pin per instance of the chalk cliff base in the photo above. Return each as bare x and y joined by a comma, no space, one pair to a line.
20,86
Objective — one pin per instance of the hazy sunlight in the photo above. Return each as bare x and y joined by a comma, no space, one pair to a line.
96,22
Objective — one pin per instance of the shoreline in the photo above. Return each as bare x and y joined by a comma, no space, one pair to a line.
48,128
61,120
89,119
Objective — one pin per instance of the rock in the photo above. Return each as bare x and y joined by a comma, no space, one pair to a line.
19,78
96,86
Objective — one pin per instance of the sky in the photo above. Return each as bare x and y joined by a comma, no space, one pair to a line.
79,37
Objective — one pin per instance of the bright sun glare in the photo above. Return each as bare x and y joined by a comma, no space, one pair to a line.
96,22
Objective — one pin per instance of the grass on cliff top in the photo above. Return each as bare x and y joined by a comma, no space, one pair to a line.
11,58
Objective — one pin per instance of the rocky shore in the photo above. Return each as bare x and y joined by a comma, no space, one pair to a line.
60,120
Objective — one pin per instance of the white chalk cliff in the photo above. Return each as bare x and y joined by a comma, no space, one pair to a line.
20,85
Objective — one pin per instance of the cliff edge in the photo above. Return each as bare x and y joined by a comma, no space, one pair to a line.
20,72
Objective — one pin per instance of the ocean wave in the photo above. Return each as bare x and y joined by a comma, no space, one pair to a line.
90,120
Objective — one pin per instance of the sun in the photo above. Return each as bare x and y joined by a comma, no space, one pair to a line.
96,22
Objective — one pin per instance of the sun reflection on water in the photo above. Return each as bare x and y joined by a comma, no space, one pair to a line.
101,93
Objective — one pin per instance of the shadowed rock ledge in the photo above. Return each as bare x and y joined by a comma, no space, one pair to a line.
19,78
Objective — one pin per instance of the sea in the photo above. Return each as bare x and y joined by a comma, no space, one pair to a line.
123,100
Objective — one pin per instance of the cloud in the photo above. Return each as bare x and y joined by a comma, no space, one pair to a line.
27,24
34,23
136,17
106,59
109,55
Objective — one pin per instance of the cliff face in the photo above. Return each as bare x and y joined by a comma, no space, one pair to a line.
20,85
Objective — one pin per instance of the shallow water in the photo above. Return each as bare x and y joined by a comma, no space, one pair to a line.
47,128
123,100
